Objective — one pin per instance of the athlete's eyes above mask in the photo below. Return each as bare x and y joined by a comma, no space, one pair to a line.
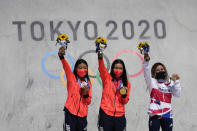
159,69
118,66
82,66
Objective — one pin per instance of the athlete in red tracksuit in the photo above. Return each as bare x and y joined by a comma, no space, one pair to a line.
79,94
161,89
112,107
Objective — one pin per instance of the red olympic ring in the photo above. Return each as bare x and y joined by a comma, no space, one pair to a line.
134,52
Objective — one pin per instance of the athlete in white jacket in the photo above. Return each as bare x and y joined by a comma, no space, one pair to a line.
161,88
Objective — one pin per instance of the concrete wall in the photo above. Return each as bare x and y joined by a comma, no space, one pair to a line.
32,100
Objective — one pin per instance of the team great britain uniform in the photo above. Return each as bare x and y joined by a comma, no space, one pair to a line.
112,107
76,106
160,110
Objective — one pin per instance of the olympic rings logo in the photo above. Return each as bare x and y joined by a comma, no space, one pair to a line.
92,77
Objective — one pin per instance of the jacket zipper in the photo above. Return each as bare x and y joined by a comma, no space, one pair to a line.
163,100
79,105
79,101
115,102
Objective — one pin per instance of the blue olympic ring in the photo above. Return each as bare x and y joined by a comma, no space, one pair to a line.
52,53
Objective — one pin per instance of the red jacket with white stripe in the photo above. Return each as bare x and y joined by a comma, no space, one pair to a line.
112,102
75,103
160,93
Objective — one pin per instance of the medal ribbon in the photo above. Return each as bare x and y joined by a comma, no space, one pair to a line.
86,80
116,84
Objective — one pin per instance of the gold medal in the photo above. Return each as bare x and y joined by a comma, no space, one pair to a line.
123,91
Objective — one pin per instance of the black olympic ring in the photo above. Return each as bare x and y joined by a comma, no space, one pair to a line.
93,51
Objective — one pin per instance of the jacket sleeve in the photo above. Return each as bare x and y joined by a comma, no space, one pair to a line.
69,74
103,71
88,98
126,99
176,89
147,75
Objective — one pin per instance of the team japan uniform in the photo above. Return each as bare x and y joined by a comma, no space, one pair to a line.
76,106
112,107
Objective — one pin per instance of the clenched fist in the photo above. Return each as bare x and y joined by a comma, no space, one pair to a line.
146,57
85,90
61,51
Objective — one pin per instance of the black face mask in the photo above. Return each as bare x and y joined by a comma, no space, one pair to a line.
160,75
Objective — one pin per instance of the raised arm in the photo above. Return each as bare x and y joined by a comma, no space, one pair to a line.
102,69
147,73
69,74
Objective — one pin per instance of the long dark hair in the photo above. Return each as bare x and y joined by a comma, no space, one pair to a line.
124,74
79,61
153,70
